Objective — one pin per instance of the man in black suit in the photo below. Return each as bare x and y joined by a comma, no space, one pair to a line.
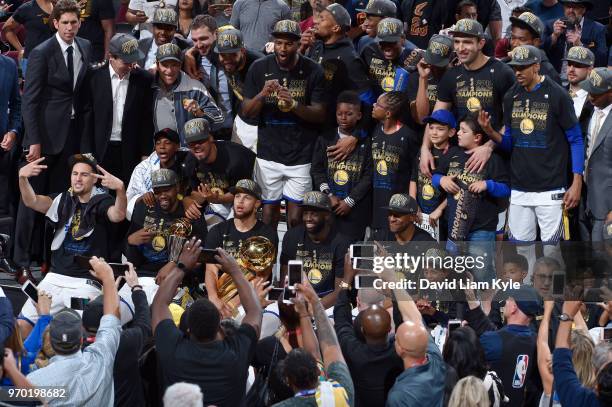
52,112
119,99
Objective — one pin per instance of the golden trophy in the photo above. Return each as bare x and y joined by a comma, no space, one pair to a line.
178,233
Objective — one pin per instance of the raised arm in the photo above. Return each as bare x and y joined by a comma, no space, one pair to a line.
115,213
544,354
39,203
309,338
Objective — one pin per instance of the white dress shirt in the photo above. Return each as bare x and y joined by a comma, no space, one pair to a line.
77,60
579,99
119,88
591,136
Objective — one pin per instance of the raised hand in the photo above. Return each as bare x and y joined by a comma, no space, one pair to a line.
32,169
108,180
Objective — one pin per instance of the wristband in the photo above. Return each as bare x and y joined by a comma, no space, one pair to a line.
136,286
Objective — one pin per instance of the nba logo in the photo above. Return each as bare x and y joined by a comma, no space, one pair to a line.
520,371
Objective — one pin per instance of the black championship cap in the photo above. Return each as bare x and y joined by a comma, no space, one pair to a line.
247,186
389,30
598,82
169,51
580,55
402,203
439,50
342,17
287,27
317,200
125,47
229,41
65,331
196,130
92,314
165,16
380,8
170,134
468,28
527,299
586,3
86,158
530,22
164,177
525,55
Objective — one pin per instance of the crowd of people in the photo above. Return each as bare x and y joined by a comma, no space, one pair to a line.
166,165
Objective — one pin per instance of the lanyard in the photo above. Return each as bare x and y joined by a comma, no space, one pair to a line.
306,393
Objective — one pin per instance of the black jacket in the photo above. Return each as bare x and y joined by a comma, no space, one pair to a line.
137,122
49,96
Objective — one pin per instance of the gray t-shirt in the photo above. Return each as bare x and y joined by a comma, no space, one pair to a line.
256,20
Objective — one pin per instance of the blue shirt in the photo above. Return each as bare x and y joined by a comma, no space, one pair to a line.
545,13
568,387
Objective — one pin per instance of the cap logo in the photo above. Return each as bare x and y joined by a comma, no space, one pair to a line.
439,48
165,15
228,40
195,126
520,53
595,78
528,17
130,46
388,27
578,53
288,26
64,338
465,25
399,200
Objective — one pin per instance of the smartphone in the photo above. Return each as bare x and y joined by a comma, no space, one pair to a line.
275,293
365,281
558,283
77,303
288,295
607,334
207,256
119,269
453,324
363,264
362,250
295,273
30,290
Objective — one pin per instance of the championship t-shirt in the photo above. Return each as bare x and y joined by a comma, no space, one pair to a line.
282,136
425,19
540,150
432,89
323,262
483,88
226,236
429,197
150,257
382,72
392,161
484,214
36,22
236,84
91,26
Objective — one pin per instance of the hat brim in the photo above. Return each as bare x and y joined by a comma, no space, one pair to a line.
280,34
165,184
227,51
429,120
520,63
464,34
130,59
586,65
236,190
436,60
586,4
588,86
403,211
316,208
164,59
390,39
521,24
164,23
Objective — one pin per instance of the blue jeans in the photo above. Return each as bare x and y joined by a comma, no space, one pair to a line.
483,245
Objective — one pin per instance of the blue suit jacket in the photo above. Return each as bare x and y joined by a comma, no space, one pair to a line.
10,99
593,37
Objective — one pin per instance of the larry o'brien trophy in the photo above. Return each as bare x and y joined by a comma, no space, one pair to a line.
255,258
178,233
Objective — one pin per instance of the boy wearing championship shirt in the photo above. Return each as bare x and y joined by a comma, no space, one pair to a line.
285,92
394,148
347,182
541,129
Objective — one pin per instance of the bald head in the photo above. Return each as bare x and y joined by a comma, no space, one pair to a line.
375,323
411,341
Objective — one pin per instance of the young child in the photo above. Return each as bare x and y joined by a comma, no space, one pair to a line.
394,149
441,126
347,182
516,268
472,197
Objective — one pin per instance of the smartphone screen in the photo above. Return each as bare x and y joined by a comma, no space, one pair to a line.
363,264
453,324
275,293
362,251
365,281
207,256
295,272
30,290
78,303
558,284
288,295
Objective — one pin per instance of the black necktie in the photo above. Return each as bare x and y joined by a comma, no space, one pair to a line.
70,64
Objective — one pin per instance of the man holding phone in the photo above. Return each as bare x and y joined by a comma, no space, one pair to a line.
141,11
230,234
82,217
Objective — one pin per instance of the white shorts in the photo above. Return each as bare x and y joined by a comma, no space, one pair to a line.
245,134
524,219
61,288
280,181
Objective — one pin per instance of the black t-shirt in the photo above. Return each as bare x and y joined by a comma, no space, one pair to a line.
91,27
284,137
236,84
432,89
92,244
36,22
233,163
220,368
540,150
226,236
323,262
469,91
429,197
419,236
424,19
487,209
380,69
392,161
268,363
150,257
